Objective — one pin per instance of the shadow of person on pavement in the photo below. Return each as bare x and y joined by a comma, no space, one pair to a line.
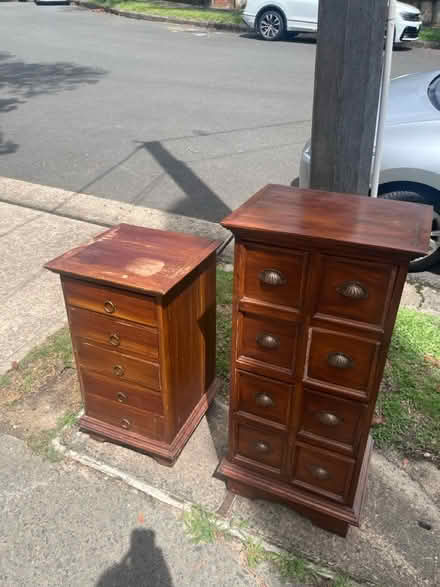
142,566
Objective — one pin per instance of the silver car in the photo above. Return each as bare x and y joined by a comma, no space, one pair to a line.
410,168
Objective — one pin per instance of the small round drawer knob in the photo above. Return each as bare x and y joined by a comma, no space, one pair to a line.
268,341
328,419
262,446
118,370
340,361
114,339
264,400
272,277
319,473
122,397
125,424
109,307
354,290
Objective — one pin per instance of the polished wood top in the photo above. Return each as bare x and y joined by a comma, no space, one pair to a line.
136,258
328,218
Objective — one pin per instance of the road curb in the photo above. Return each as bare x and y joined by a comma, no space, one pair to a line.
103,212
426,44
232,28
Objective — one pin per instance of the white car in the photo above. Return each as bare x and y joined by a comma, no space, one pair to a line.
273,19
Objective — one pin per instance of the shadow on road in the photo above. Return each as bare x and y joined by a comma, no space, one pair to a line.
301,39
143,565
21,81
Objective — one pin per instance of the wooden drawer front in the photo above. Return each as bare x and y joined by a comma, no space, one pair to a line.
110,301
123,393
343,360
275,276
331,420
355,290
263,397
267,341
322,471
124,417
118,366
259,447
125,337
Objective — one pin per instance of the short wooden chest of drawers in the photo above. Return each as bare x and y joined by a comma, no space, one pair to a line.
317,284
141,309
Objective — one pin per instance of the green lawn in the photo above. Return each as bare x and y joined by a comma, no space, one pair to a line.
430,34
162,9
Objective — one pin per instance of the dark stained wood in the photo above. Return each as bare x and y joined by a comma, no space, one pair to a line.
362,352
333,422
347,82
125,337
190,335
125,305
259,446
324,219
318,447
289,266
256,335
322,471
136,258
339,279
141,309
267,398
122,392
124,417
118,366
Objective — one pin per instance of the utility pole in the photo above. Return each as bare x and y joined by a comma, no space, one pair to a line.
348,72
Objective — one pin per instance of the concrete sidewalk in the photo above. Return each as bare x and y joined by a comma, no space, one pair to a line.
76,525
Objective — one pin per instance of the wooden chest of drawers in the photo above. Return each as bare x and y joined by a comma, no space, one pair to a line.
141,309
317,284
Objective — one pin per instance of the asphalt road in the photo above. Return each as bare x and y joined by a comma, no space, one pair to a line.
165,116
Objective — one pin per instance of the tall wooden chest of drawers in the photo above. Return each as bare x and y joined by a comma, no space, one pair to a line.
317,284
141,309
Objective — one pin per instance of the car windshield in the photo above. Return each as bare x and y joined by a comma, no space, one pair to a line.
434,92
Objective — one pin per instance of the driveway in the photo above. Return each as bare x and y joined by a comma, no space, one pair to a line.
165,116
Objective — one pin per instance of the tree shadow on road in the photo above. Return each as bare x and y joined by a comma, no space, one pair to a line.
21,81
143,565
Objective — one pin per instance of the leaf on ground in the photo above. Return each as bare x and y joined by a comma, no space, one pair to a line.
432,360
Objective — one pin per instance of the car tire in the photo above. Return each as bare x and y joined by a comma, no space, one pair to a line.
271,25
422,196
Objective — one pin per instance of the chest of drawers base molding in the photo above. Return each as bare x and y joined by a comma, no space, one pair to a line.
141,310
317,284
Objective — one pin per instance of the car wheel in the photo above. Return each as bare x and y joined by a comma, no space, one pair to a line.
422,197
271,25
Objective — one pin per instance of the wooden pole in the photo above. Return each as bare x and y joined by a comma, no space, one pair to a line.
347,85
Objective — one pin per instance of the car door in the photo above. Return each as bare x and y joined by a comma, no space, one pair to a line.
302,14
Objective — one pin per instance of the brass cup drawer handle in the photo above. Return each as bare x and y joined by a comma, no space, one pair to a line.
272,277
268,341
319,472
114,339
264,400
263,447
340,360
118,370
125,424
121,397
353,290
328,419
109,307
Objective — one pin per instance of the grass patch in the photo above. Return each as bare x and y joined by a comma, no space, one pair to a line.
409,402
204,527
224,323
162,9
41,443
430,34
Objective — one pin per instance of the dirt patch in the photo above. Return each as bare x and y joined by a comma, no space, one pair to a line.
41,393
